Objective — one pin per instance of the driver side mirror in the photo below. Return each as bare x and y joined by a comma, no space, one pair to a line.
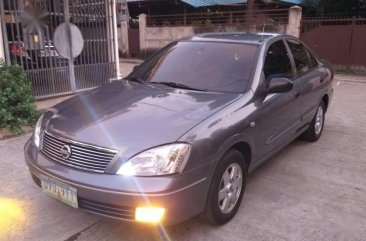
279,85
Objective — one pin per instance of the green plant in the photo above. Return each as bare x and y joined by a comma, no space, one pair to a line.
17,107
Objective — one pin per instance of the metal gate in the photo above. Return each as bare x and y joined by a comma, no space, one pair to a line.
134,41
29,34
339,39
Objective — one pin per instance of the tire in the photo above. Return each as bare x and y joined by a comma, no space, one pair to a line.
313,133
216,212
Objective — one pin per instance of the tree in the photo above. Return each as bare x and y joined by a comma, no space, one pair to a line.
335,6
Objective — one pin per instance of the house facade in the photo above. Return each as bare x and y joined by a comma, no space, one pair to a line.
159,7
167,20
72,45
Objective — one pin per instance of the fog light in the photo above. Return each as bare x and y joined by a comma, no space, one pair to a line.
149,215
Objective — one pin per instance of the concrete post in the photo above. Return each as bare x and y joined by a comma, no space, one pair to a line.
142,29
2,51
124,45
294,21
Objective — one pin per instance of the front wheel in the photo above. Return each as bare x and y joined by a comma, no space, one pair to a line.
316,127
227,188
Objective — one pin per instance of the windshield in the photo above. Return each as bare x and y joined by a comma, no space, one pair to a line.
211,66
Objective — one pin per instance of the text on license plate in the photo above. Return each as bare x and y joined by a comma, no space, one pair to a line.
60,191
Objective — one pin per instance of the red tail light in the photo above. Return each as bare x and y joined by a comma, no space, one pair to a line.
16,49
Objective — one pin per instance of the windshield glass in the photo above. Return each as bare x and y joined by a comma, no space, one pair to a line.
211,66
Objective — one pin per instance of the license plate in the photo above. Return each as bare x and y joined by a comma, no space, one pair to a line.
60,191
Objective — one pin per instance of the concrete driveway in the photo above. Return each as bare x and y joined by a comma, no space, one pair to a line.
307,192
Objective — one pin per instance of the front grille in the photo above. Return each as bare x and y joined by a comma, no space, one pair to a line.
114,211
82,156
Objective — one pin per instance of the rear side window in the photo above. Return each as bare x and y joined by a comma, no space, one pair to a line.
277,62
313,61
301,57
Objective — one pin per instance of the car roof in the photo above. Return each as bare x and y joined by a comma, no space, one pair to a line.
235,37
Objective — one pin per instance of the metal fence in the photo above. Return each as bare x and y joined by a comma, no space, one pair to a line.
265,18
29,27
340,39
311,22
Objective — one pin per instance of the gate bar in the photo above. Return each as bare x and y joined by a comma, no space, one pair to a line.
71,60
4,33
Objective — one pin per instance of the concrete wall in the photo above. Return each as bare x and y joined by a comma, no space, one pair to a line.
153,38
158,37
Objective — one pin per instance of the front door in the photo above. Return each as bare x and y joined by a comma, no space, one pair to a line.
279,119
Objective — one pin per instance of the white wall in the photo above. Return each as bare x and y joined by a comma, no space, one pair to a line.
153,38
158,37
294,25
2,54
123,44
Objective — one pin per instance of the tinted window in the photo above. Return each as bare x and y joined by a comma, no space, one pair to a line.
301,57
222,67
277,62
313,61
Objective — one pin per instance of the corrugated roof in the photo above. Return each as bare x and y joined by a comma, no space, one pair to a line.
291,1
205,3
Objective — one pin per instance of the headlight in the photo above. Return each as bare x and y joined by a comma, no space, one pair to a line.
158,161
37,132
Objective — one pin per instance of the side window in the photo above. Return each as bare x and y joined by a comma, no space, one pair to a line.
301,57
313,61
277,62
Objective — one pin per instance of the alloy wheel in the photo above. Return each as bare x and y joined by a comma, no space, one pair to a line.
319,120
230,188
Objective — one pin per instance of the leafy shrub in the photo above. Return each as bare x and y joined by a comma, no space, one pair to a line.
17,107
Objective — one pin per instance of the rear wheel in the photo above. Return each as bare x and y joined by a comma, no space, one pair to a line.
315,130
227,188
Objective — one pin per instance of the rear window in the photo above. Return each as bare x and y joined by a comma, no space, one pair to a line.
301,56
211,66
313,61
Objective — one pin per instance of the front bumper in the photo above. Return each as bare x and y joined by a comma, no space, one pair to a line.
183,196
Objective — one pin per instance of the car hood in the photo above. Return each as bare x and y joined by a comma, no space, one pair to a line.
132,117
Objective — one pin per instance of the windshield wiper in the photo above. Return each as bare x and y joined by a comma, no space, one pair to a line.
137,79
177,85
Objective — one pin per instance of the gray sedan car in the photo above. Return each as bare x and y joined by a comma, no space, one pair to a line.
179,136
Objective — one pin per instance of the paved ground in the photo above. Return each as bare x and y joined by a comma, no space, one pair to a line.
306,192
